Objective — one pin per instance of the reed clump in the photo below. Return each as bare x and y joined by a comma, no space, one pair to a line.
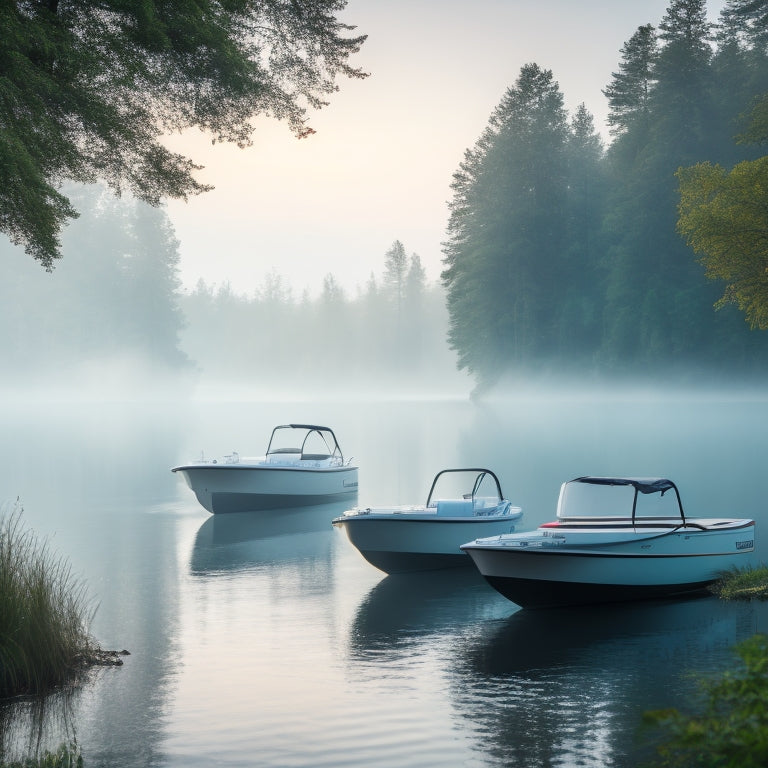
44,613
66,756
743,584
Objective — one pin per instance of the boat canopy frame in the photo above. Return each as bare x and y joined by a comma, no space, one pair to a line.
334,451
645,485
482,473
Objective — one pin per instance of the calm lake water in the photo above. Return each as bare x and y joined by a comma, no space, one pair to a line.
268,641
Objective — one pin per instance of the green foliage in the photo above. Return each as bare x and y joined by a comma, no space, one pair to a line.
743,584
561,258
43,615
508,229
732,731
724,217
66,756
89,89
630,90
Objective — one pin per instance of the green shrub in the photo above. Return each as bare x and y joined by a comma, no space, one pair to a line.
43,614
733,730
743,584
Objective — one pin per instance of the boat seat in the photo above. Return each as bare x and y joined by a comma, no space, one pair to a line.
455,507
283,458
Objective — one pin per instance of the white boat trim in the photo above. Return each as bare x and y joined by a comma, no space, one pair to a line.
282,478
399,539
587,559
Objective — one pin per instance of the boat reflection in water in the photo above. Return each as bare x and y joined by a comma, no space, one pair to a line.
404,607
569,686
252,539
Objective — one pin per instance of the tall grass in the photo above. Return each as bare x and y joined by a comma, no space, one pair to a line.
749,583
43,614
66,756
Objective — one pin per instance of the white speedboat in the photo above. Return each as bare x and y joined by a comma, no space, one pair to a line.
415,538
614,539
303,465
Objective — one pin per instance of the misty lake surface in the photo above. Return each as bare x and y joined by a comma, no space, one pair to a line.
267,640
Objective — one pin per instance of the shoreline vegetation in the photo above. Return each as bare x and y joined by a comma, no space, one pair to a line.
44,615
45,644
749,583
729,725
65,756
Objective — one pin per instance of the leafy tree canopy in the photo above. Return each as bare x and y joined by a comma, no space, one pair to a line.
89,87
723,216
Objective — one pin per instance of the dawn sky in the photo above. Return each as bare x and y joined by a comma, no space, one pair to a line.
380,165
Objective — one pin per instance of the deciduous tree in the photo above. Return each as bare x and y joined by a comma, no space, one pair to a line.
724,218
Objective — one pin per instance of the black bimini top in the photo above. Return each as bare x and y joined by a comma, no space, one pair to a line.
644,485
641,484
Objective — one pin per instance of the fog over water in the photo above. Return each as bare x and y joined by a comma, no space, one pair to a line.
588,344
268,640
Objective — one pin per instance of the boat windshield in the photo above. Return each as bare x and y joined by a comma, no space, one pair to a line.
480,485
623,500
305,440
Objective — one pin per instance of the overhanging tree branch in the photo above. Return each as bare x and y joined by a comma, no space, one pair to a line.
88,88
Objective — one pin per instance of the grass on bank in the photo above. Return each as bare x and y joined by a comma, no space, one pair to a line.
66,756
743,584
44,612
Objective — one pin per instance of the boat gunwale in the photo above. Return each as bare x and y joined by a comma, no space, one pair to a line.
262,467
596,553
695,524
427,518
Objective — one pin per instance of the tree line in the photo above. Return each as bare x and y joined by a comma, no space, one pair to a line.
389,335
563,255
113,296
117,295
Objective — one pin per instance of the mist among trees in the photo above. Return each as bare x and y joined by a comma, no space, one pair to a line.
116,298
389,335
563,257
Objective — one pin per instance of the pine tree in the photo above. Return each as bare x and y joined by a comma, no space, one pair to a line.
152,284
414,314
682,101
580,311
507,231
630,89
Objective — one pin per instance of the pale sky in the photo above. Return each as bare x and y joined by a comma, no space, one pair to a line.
380,165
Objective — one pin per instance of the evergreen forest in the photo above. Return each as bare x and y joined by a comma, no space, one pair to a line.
562,257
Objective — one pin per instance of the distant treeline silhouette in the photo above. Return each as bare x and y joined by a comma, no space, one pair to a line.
116,296
391,334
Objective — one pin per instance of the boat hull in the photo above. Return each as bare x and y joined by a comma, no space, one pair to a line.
225,489
669,564
402,543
